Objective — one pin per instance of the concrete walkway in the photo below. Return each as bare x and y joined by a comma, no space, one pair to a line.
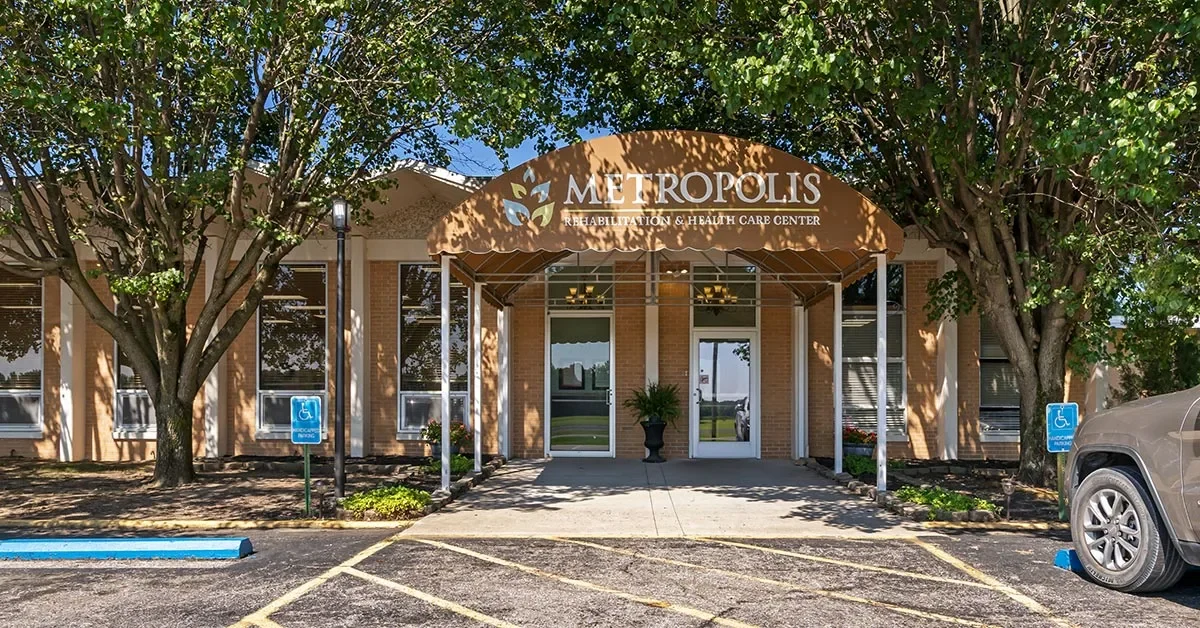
606,497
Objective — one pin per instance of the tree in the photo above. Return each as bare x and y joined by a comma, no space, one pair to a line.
1039,143
165,134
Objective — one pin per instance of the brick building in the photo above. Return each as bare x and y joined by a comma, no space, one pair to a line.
746,277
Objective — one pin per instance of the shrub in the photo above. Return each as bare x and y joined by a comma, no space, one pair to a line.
459,436
940,499
858,465
459,464
389,502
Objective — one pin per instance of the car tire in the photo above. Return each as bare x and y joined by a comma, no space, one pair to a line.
1153,564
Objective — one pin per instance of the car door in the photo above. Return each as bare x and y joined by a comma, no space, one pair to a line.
1189,460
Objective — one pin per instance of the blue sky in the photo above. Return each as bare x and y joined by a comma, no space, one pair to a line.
471,157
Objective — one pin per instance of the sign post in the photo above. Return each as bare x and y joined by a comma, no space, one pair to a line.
1061,421
306,430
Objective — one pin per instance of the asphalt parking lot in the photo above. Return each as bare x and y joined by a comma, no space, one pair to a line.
375,578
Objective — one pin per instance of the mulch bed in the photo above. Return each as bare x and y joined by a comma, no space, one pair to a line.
1028,503
37,489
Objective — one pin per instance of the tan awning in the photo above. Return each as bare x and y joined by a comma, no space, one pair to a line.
666,191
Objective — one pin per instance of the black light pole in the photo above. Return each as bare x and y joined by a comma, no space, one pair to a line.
341,224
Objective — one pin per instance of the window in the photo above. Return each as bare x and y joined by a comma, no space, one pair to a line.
292,326
134,414
20,353
999,399
725,296
859,359
420,351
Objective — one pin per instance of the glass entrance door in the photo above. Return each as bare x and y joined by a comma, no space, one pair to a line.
579,383
724,413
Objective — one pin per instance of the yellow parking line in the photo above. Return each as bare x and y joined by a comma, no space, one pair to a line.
847,563
1020,598
261,615
263,622
583,584
425,597
786,585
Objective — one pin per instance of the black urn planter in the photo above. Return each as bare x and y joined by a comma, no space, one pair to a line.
654,439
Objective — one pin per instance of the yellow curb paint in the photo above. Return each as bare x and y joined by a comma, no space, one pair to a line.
788,585
847,563
203,524
1017,596
1001,526
431,599
278,603
263,622
583,584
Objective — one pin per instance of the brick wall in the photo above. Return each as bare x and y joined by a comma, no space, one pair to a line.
775,370
629,371
820,377
674,354
920,362
528,375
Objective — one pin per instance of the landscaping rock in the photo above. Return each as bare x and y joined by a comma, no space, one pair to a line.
958,470
919,513
981,516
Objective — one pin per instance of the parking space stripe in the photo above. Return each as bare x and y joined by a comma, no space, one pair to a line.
847,563
263,622
583,584
431,599
262,614
904,610
1017,596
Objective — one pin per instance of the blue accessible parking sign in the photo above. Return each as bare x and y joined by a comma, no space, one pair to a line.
1061,421
306,420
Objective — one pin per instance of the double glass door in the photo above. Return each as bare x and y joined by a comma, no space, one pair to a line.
724,408
579,383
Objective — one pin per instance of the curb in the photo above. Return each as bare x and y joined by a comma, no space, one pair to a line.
199,524
1001,526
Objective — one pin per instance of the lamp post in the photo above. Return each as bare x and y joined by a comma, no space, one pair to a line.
341,224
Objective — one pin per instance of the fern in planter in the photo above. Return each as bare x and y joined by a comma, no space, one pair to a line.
655,406
655,400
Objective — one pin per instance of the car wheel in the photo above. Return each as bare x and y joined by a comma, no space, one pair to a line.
1119,536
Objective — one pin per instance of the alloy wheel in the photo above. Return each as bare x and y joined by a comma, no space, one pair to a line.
1112,530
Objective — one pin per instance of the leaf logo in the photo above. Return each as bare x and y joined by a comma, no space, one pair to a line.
516,211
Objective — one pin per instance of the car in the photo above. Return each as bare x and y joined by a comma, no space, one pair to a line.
1133,481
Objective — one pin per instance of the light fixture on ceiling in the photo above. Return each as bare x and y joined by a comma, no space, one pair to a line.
584,295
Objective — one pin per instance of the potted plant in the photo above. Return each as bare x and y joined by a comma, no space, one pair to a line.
432,434
655,406
856,442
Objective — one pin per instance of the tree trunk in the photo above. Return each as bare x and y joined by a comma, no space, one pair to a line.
1037,390
173,462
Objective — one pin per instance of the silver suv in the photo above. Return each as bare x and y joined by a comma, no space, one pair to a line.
1134,485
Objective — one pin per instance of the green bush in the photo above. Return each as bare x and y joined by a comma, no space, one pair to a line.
940,499
858,465
459,464
389,502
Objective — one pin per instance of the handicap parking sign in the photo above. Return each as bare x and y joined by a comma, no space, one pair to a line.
1061,421
306,420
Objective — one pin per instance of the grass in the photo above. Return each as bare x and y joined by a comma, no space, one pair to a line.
389,502
459,464
940,499
725,428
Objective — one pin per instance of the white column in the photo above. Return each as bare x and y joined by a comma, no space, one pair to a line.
215,436
800,382
72,320
504,344
359,427
477,371
445,320
837,377
651,318
947,368
881,372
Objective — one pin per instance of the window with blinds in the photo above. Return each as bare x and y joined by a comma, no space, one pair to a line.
292,326
999,397
860,392
420,350
133,412
20,352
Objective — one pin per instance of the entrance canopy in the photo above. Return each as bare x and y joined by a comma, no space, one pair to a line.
655,191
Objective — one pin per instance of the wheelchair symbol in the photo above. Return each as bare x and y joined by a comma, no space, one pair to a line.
1061,422
305,414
